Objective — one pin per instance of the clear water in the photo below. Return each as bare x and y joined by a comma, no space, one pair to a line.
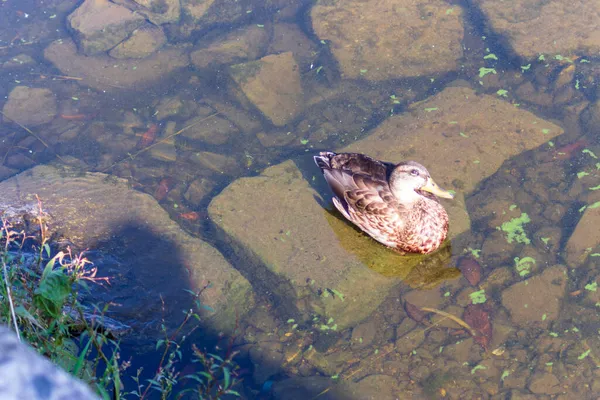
395,351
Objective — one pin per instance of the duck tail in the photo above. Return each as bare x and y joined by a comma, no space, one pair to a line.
323,160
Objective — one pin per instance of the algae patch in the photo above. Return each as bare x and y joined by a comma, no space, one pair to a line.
514,229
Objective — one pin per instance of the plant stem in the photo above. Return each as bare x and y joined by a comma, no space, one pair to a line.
7,283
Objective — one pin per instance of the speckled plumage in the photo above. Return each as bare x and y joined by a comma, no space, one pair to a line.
394,204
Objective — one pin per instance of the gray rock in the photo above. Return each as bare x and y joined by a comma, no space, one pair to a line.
142,42
198,190
156,11
30,106
104,73
215,130
528,26
99,25
24,374
216,162
536,301
17,61
386,40
150,255
245,44
590,118
585,238
305,255
273,85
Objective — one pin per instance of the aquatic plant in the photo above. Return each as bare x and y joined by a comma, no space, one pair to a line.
40,295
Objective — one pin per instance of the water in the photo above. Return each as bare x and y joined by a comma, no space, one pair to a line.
508,309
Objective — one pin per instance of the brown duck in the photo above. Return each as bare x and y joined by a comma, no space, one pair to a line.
396,204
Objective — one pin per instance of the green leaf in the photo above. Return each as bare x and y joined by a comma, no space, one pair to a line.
47,248
81,359
226,378
54,286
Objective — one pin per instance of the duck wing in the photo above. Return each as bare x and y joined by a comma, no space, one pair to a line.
365,201
357,163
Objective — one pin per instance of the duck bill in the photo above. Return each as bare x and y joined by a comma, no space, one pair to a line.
433,187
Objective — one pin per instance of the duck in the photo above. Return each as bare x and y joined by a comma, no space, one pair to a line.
395,204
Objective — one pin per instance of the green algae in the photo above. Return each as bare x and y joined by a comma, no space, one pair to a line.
523,265
514,229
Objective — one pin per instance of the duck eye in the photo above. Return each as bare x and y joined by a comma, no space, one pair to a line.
414,172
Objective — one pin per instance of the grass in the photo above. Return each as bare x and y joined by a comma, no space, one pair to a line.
40,299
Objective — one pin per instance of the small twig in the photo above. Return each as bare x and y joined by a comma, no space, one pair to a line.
452,317
6,282
134,155
34,135
63,77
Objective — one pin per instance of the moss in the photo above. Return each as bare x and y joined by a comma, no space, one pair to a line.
514,229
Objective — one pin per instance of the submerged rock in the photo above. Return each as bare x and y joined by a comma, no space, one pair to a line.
142,43
146,254
156,11
245,44
379,40
30,106
273,85
530,27
103,72
585,238
318,264
537,300
99,25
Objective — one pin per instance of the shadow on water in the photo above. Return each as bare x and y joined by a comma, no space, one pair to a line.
148,290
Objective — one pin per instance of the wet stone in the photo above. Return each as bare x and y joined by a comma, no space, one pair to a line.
530,27
545,383
30,106
245,44
106,73
312,255
100,212
584,239
99,25
142,42
273,85
386,40
215,162
198,190
214,130
364,334
536,301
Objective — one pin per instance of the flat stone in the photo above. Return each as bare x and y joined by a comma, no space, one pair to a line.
245,44
215,130
30,106
143,42
103,72
216,162
158,12
149,253
586,237
201,15
379,40
529,26
273,85
198,190
312,254
536,301
99,25
545,383
289,37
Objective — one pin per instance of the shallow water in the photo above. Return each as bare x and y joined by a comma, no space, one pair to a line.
503,311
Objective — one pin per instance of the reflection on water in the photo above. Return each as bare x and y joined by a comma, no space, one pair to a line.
190,103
